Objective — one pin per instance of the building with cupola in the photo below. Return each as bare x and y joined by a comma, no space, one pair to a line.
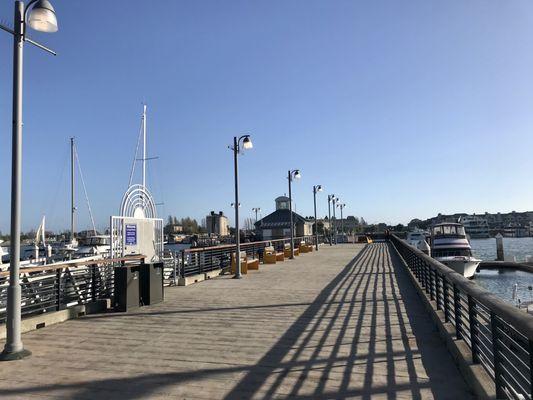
277,225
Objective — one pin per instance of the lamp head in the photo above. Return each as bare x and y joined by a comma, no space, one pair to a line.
247,143
42,17
297,174
319,188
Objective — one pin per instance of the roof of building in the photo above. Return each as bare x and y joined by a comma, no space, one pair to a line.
282,198
280,219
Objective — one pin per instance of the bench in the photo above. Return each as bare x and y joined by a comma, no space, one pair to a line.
244,263
287,250
269,255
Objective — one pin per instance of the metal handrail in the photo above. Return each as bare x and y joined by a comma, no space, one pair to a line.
201,260
499,335
74,263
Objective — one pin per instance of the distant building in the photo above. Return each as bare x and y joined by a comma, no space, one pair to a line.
217,224
174,228
476,227
277,225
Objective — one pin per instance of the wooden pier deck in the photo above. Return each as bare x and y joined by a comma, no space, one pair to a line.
345,322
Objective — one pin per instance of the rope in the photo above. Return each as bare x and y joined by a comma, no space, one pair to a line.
84,188
135,155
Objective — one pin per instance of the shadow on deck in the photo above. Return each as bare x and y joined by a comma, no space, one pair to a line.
365,335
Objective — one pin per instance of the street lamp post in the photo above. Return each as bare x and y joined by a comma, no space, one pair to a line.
41,18
256,210
341,206
330,199
246,144
335,200
316,188
294,174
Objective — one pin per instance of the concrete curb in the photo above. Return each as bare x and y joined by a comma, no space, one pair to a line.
474,375
56,317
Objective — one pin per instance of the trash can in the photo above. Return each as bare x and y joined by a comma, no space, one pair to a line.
127,287
151,283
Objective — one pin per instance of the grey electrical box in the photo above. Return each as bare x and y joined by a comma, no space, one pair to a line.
151,283
127,287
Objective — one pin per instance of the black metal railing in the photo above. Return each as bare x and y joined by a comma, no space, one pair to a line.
499,335
56,287
189,262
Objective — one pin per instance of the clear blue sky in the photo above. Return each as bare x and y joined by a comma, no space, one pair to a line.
403,109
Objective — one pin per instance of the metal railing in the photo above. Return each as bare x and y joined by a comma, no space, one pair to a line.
183,263
56,287
499,335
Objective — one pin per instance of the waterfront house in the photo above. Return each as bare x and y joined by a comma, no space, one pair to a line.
277,225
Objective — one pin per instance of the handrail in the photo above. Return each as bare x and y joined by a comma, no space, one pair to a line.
497,333
506,311
54,267
227,246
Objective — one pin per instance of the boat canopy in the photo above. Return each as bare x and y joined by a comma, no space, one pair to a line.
448,229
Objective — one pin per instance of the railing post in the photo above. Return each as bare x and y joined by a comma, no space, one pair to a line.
182,271
437,290
175,261
457,312
93,282
58,289
531,368
472,324
445,293
494,324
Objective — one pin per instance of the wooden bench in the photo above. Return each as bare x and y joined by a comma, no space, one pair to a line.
269,255
244,263
287,250
303,247
280,256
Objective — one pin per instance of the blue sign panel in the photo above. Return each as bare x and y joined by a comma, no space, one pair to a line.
131,234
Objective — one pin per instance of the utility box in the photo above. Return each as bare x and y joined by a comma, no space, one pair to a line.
127,287
151,283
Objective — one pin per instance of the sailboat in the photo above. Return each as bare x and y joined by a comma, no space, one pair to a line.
90,246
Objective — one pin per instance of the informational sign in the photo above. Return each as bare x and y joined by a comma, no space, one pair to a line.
131,235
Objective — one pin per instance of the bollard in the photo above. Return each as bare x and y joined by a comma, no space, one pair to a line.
499,247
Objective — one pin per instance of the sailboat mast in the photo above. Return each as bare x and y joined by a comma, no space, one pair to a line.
144,146
73,208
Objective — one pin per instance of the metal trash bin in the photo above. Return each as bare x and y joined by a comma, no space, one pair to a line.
151,283
127,287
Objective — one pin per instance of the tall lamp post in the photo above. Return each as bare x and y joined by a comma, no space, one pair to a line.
246,144
341,206
330,199
294,174
316,188
41,18
335,200
256,210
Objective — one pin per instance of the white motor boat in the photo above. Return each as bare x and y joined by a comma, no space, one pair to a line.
97,245
415,237
450,246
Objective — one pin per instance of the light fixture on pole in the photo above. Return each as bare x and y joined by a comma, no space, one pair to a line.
41,18
256,210
330,199
294,174
341,206
246,144
316,188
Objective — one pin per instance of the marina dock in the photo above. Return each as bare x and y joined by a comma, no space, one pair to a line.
343,322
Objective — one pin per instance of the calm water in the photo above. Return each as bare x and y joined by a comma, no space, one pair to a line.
501,283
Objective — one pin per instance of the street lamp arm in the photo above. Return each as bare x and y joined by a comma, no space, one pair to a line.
27,39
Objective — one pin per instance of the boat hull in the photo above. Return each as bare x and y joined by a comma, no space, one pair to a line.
462,265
